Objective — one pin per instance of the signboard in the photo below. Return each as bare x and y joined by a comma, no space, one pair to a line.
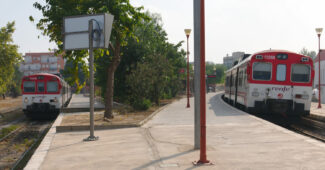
76,34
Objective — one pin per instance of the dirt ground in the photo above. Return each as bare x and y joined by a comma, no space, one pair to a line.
10,103
124,117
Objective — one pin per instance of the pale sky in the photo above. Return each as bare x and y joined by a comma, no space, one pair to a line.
231,25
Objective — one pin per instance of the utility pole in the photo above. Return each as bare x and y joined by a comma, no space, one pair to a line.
91,72
196,7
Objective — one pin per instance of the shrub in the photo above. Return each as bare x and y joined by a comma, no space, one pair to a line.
141,104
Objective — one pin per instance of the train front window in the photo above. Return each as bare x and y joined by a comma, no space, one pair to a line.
40,86
262,71
300,73
281,71
29,86
52,86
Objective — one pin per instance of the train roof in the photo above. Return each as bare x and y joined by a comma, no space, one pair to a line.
45,74
261,52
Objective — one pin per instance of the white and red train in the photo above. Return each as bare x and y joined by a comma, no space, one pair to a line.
275,81
44,94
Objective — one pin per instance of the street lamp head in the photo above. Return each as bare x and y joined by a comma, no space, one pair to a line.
319,31
187,32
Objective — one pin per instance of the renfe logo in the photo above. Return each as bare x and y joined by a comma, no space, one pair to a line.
283,89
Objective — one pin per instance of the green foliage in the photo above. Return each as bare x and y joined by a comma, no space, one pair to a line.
14,86
220,73
141,104
75,74
9,57
215,69
150,66
305,52
136,73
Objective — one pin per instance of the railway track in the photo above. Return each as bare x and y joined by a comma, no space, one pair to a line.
16,147
311,126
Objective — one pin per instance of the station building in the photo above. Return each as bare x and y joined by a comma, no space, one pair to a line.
46,62
322,74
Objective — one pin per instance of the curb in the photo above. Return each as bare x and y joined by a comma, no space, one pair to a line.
153,114
60,129
74,110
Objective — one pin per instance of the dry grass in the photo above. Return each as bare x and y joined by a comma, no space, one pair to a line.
120,119
10,103
123,116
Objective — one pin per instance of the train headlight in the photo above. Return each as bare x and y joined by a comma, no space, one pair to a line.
26,100
55,100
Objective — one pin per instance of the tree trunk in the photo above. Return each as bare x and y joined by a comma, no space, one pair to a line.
110,82
109,93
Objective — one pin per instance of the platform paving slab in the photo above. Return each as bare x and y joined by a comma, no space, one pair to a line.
235,140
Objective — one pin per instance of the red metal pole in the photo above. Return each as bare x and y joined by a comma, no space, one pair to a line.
203,156
188,75
319,82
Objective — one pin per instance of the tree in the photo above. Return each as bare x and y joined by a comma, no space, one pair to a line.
305,52
126,17
9,57
151,42
75,74
155,74
220,73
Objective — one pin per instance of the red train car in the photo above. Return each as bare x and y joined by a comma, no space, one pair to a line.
274,80
44,94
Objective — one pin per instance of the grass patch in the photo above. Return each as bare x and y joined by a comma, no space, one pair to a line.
24,145
7,130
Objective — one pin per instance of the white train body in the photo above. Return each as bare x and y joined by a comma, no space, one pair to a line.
273,81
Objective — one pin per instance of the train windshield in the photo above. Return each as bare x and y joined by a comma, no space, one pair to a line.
300,73
40,86
262,71
29,86
52,86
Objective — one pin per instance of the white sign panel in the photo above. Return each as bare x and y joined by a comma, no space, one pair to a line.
76,35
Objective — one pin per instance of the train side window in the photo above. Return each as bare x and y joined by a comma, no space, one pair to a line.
262,71
300,73
52,86
245,77
240,78
29,86
230,81
40,86
281,72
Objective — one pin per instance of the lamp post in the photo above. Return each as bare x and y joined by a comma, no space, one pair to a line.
187,33
319,32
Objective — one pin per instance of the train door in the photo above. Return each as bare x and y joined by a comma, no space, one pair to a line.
41,90
230,85
236,86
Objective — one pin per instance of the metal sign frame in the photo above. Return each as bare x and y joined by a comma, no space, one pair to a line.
105,26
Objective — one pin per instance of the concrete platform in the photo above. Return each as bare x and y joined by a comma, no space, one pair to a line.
314,110
80,103
235,140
